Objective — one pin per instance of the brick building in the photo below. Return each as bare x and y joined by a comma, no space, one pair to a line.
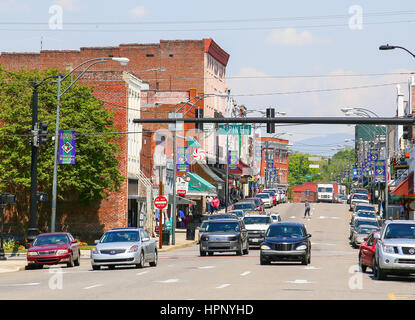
170,68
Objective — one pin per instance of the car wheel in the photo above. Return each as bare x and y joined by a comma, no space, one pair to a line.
141,263
78,260
154,262
96,268
70,264
246,251
361,266
210,253
304,261
240,252
379,273
202,253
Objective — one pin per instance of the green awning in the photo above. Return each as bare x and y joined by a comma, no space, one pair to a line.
197,183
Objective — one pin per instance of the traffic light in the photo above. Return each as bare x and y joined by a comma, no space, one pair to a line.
408,132
199,114
43,133
270,126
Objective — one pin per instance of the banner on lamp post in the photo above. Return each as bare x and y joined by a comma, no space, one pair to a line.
67,141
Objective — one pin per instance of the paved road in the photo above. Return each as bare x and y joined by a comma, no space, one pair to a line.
182,274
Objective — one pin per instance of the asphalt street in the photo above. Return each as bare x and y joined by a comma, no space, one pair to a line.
182,274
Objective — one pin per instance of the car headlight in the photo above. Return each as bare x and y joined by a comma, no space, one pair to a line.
60,252
133,249
301,247
205,238
32,253
265,247
94,250
387,249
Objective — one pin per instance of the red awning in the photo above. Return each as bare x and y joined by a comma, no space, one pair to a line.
242,169
402,188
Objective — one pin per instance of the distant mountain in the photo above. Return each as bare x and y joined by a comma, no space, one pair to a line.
323,145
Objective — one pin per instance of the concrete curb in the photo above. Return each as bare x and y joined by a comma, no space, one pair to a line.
184,245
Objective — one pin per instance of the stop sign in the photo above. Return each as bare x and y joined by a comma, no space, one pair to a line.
160,202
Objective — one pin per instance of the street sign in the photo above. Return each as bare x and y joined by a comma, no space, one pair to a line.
234,129
160,202
314,166
314,158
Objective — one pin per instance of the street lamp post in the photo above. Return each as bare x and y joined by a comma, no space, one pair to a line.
91,62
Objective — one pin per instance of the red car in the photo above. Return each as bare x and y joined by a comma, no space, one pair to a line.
258,203
53,248
367,252
361,191
273,195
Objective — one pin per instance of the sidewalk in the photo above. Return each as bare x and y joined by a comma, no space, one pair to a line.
17,262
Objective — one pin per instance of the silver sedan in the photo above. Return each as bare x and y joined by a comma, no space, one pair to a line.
124,246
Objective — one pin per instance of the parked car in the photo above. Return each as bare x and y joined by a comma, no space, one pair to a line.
363,206
358,198
275,217
360,233
395,249
367,251
340,198
364,214
286,241
239,213
124,246
247,206
361,191
266,198
258,203
226,235
283,195
274,196
257,225
53,248
360,221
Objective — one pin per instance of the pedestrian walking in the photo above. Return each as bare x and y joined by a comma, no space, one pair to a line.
215,204
209,204
307,209
181,218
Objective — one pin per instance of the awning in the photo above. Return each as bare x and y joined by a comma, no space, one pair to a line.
242,169
199,186
222,173
402,188
210,173
181,200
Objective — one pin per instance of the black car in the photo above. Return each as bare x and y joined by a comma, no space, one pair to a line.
286,241
224,235
223,216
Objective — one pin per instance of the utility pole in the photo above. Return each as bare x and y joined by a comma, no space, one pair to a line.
161,226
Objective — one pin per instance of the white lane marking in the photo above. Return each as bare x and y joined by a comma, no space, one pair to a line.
299,281
223,286
94,286
20,284
293,217
311,268
168,281
245,273
141,273
207,267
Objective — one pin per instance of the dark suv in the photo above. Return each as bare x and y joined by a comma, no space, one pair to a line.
226,235
286,241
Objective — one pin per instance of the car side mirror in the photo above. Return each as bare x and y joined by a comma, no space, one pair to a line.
309,236
75,241
377,236
96,241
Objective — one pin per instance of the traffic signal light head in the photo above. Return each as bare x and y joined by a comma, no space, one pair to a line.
199,114
270,126
43,133
408,132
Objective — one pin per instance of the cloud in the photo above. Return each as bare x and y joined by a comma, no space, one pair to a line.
290,37
138,12
69,5
12,5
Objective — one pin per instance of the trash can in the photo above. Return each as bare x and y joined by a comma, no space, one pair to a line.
191,231
166,237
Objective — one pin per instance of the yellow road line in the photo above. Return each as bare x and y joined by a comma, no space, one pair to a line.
392,296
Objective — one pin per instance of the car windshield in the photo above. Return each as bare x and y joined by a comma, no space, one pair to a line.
326,189
263,196
247,205
120,236
281,231
360,197
362,191
272,193
360,207
367,222
222,227
366,230
222,216
404,231
51,239
254,200
366,214
257,220
238,213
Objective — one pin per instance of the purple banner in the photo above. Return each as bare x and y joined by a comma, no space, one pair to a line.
67,140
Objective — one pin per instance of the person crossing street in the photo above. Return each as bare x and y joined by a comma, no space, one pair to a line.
307,209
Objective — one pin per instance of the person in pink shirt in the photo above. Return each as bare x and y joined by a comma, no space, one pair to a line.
215,204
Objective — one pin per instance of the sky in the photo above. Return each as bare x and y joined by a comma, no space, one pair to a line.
305,58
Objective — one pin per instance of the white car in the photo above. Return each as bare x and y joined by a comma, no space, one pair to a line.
266,198
358,198
257,225
275,217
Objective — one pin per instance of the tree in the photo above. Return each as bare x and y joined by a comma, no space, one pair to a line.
95,173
